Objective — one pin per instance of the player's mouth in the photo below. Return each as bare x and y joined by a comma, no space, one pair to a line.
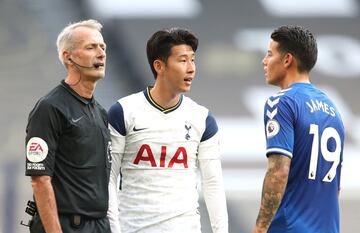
188,81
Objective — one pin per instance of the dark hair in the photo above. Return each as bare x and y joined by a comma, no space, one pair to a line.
160,43
298,41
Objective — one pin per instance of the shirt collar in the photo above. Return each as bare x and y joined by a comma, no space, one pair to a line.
76,95
157,106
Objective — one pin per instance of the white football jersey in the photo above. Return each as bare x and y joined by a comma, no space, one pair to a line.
156,152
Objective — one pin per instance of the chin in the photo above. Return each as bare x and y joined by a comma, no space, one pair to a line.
96,78
187,89
270,81
101,74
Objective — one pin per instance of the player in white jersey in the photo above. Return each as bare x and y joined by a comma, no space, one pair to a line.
161,139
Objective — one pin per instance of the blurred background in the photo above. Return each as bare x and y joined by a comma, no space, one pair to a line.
234,36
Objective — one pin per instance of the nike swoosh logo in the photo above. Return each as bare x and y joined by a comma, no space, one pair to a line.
76,120
138,129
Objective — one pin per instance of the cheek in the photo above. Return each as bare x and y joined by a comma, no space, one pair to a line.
272,65
178,70
272,71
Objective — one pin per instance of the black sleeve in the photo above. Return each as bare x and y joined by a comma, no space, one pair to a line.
42,134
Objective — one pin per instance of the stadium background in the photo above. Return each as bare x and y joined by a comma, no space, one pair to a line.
233,37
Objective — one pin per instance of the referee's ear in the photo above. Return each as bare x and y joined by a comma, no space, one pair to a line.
66,58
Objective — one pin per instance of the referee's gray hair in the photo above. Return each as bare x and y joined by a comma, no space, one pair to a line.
64,39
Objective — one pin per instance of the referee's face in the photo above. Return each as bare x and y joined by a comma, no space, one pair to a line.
89,54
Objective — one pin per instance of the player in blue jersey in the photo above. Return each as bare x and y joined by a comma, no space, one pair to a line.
160,140
305,141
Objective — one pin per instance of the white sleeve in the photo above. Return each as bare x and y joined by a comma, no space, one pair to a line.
118,144
213,186
214,194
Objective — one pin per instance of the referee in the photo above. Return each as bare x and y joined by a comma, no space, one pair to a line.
68,142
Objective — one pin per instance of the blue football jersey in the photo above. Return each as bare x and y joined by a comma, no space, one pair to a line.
301,122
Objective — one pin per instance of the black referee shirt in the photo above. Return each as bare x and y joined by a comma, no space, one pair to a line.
67,138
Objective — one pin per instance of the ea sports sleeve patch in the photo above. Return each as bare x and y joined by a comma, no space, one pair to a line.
36,153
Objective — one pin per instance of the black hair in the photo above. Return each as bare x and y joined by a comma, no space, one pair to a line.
298,41
160,43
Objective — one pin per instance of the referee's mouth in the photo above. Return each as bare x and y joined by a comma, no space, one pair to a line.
98,65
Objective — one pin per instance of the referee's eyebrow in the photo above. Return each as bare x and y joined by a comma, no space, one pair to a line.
95,44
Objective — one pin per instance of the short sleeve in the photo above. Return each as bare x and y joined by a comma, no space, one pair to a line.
279,126
42,134
116,118
209,147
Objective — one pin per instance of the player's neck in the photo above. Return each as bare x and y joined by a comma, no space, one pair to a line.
295,78
163,97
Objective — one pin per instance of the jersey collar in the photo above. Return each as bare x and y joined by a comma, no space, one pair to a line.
76,95
157,106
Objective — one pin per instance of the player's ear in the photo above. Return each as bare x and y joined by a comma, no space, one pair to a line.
288,59
159,66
